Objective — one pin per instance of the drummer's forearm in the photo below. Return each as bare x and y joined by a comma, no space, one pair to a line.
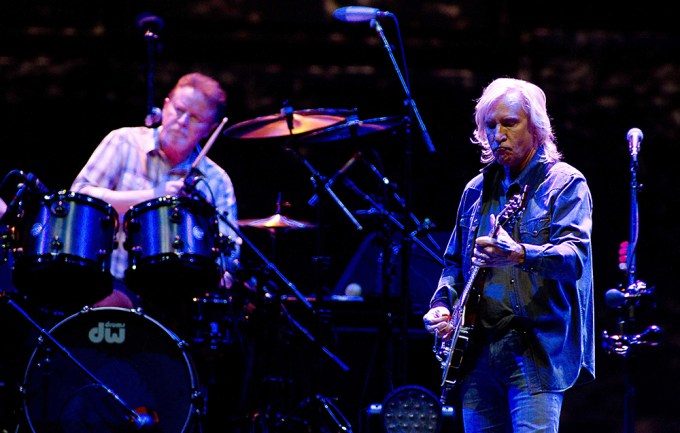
120,200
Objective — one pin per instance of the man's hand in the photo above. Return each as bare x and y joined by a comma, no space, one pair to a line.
436,321
499,251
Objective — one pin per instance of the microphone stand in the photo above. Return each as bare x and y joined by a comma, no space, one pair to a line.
627,339
139,421
151,25
406,244
407,92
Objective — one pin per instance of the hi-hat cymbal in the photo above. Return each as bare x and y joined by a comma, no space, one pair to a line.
276,221
276,125
353,129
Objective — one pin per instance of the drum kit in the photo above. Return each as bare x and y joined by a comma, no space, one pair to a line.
113,369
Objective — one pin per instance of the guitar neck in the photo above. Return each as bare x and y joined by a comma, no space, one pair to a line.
468,287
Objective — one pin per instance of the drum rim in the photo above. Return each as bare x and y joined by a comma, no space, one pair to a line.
86,198
169,200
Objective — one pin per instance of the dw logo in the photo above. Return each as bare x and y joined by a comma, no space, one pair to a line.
109,332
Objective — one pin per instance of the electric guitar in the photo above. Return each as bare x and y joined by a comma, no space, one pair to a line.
462,321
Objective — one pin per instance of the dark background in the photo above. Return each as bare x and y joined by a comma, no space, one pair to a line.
70,71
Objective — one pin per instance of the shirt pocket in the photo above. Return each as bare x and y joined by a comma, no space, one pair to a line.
535,230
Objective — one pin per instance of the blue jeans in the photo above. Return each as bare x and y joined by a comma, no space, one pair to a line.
495,396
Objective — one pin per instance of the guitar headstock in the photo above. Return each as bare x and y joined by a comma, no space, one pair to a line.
512,209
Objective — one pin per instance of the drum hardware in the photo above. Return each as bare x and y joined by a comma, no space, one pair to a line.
321,184
139,419
295,325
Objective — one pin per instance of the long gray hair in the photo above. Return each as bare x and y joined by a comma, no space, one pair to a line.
534,105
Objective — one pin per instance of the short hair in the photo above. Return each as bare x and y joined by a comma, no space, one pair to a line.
208,86
533,103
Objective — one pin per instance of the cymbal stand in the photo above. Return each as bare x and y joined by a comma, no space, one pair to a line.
138,421
626,300
326,185
423,226
410,237
289,318
270,266
376,208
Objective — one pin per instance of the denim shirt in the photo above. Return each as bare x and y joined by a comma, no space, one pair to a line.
552,291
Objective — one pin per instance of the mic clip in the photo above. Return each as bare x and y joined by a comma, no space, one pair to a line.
633,294
191,180
424,227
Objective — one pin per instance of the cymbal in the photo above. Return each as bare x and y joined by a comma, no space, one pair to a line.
276,221
276,125
353,130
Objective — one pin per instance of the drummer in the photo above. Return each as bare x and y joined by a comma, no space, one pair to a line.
136,164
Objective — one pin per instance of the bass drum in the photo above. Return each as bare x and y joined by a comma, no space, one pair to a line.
128,353
64,249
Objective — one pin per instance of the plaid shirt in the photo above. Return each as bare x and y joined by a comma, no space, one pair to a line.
129,159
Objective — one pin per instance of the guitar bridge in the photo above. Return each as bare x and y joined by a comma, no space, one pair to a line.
451,356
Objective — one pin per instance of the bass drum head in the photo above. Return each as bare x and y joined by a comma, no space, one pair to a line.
130,355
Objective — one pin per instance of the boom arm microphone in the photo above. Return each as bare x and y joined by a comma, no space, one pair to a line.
359,14
34,183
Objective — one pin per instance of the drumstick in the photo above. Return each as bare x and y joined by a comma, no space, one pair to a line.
209,143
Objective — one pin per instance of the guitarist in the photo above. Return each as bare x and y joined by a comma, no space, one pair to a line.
532,332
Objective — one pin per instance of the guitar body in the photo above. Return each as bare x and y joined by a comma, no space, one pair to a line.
451,352
453,356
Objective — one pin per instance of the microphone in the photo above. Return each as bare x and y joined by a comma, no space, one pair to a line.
154,117
149,23
357,155
617,298
359,14
34,183
144,418
144,421
191,180
634,138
